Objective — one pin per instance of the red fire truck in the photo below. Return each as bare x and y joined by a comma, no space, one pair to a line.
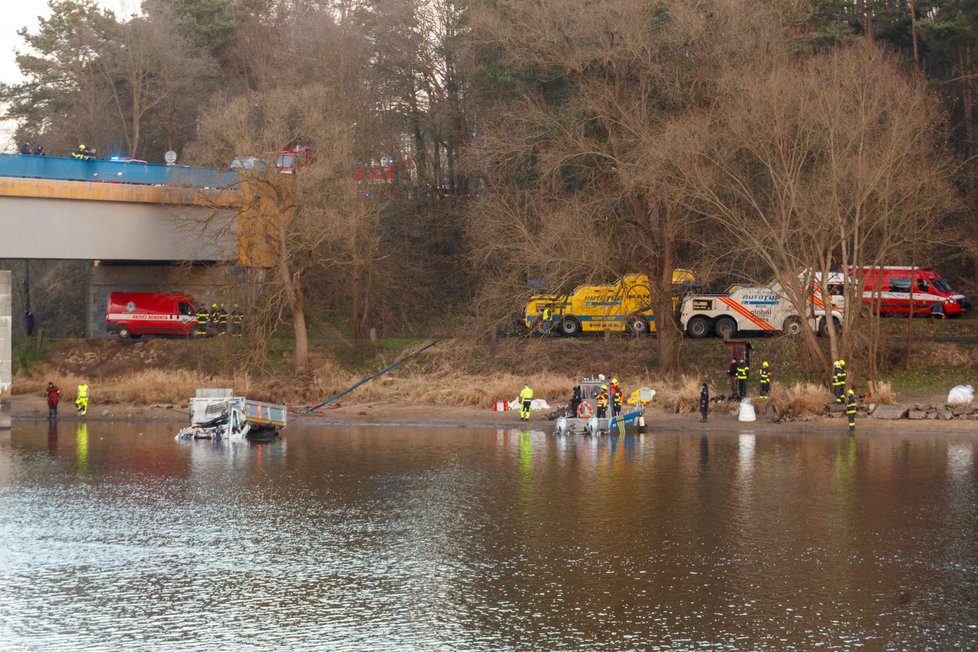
134,314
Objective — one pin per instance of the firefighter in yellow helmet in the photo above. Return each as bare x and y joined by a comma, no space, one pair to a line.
851,410
839,380
601,402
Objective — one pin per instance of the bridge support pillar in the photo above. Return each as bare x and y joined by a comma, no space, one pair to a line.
6,350
208,283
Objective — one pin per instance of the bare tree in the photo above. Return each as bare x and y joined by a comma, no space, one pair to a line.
314,218
597,135
824,163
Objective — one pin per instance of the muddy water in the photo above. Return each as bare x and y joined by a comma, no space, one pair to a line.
118,537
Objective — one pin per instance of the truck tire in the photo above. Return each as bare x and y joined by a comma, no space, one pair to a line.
637,325
792,326
725,327
124,333
823,330
569,326
699,327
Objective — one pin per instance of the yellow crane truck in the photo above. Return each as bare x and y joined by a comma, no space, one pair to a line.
625,305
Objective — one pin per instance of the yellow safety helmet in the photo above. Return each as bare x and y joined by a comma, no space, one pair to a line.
604,387
614,381
851,392
765,364
842,363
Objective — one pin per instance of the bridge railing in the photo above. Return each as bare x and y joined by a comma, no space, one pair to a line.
61,168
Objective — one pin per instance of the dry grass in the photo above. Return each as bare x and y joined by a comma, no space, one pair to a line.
797,400
883,393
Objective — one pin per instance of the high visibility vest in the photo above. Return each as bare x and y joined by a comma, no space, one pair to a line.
526,394
601,400
202,316
742,372
83,391
546,314
765,374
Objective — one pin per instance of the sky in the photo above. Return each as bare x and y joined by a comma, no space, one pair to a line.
24,13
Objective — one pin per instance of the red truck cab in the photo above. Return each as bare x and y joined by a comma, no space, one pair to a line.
900,290
133,314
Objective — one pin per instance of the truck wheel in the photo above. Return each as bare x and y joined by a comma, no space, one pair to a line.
124,333
725,328
637,325
569,326
823,329
698,327
792,326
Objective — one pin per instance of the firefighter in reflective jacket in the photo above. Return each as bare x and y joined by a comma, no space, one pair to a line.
765,375
526,400
237,321
743,372
202,318
839,380
601,401
851,410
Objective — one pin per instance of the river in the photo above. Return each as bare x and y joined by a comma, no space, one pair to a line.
115,536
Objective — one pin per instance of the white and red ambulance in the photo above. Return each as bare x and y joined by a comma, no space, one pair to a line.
900,290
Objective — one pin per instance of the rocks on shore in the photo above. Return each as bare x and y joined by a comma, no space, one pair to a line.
919,411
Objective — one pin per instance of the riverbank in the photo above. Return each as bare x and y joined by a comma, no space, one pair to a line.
396,414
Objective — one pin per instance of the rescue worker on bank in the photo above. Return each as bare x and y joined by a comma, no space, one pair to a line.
743,373
54,395
81,399
839,380
203,316
732,373
213,320
704,402
851,410
546,320
601,402
237,321
765,375
526,401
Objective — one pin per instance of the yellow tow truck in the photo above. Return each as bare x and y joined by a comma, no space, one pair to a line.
625,305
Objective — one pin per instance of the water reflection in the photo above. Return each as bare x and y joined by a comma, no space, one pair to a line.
120,537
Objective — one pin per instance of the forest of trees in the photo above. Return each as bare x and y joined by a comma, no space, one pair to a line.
561,141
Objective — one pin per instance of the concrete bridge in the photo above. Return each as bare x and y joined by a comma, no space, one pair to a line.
146,227
69,209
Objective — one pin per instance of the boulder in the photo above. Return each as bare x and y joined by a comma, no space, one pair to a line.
945,415
917,414
890,412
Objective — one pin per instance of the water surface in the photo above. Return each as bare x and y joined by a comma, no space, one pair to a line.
116,536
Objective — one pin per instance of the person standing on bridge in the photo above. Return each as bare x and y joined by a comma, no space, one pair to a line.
25,149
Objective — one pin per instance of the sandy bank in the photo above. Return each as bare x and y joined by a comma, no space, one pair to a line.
376,413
